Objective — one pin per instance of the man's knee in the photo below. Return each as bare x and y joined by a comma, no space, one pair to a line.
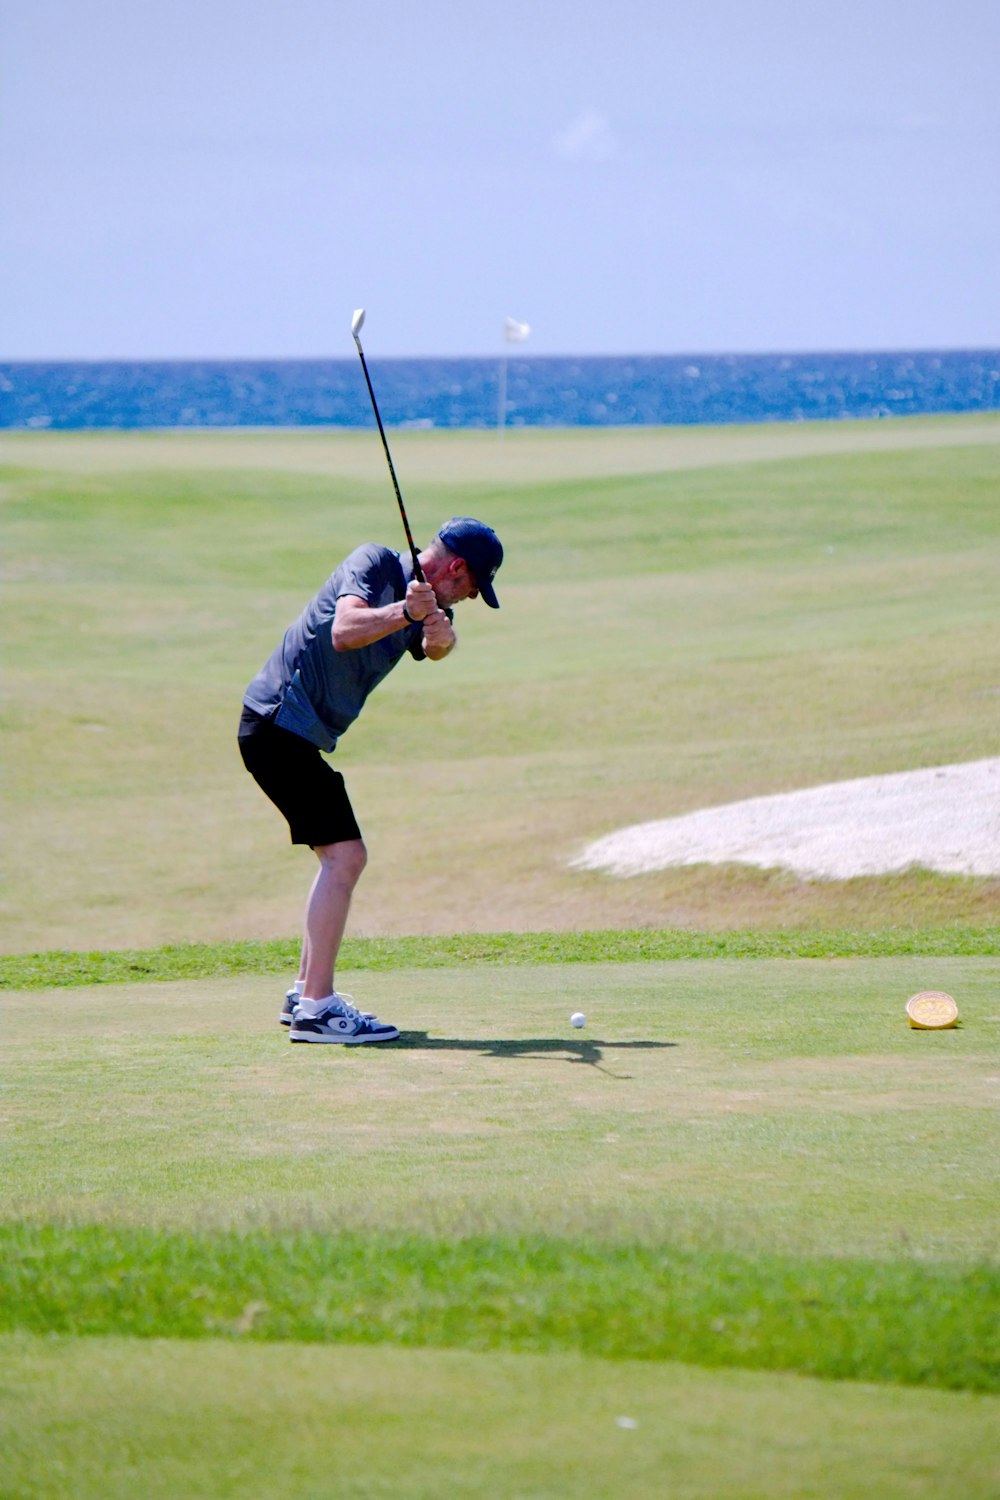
346,860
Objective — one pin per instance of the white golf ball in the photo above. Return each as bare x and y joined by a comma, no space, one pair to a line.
577,1019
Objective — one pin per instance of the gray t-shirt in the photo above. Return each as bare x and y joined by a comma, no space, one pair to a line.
317,692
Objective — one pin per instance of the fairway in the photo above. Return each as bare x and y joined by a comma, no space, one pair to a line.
737,1236
755,611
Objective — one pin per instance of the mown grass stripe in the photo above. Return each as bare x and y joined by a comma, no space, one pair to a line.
211,960
902,1322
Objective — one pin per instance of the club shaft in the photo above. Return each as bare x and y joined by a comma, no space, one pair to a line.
417,570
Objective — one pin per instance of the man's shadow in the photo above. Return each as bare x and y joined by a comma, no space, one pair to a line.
545,1049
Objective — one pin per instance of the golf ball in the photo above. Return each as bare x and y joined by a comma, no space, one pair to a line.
577,1019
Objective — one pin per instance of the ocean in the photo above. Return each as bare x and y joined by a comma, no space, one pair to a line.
541,391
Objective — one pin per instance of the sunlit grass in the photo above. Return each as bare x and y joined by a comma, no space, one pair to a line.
908,1324
110,1418
774,1107
477,1250
667,640
53,968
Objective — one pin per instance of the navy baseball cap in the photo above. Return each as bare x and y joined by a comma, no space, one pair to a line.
479,546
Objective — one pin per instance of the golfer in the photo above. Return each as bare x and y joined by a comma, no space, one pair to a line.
369,612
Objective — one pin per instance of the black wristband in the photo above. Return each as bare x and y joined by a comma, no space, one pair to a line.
408,617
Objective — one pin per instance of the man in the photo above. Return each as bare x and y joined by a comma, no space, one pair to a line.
311,689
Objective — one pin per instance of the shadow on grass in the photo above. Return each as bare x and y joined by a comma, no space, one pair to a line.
546,1049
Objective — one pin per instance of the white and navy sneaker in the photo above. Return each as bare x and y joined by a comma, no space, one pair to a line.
287,1013
341,1022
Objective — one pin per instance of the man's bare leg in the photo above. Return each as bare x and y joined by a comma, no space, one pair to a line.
340,867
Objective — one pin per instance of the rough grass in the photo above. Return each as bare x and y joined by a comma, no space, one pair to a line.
55,969
909,1324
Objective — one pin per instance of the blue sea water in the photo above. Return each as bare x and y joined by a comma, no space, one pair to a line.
540,391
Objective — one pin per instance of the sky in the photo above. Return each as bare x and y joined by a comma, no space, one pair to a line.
231,178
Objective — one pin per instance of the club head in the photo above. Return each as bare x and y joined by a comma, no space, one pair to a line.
357,322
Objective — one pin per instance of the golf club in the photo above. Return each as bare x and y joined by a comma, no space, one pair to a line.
357,323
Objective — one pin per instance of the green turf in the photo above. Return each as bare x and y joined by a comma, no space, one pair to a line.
667,640
752,1162
487,1242
205,960
108,1419
779,1106
909,1324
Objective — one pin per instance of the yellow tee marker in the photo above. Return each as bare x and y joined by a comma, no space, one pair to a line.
932,1010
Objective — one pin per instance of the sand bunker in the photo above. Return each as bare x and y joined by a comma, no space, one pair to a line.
946,818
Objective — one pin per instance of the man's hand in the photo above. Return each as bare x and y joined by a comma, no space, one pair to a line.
439,636
420,600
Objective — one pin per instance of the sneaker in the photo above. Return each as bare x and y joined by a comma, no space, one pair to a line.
287,1013
341,1022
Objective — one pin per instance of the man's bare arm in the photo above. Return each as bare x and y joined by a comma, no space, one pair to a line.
357,624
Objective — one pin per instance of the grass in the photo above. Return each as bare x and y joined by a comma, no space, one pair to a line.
747,1208
53,968
231,1418
710,632
911,1325
750,1107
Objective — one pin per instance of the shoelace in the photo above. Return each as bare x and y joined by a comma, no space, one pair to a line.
343,1006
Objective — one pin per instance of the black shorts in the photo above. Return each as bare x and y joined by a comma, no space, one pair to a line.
300,783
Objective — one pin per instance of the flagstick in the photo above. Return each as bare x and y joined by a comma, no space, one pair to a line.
514,333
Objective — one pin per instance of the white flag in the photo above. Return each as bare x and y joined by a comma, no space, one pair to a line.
515,332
